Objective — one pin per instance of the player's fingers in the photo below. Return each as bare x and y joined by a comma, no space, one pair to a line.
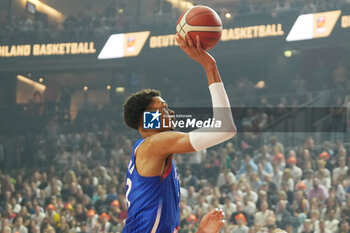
180,40
198,41
189,41
181,43
179,37
221,213
177,40
217,213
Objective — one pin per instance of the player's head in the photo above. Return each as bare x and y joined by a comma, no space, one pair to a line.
139,102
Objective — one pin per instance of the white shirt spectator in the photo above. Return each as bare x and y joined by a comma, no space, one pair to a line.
196,157
290,184
296,173
185,209
91,223
332,225
38,217
260,217
341,193
204,206
229,208
308,183
240,229
184,192
104,228
252,196
249,207
226,178
339,171
326,182
277,178
21,229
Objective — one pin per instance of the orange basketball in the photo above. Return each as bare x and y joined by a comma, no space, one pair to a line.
202,21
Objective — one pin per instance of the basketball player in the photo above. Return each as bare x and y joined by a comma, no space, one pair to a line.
152,191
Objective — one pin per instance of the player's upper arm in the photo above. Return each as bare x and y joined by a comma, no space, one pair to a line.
166,143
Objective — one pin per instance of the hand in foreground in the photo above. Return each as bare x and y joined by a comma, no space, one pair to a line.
195,52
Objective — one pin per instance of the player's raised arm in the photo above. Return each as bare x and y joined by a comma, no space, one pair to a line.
170,142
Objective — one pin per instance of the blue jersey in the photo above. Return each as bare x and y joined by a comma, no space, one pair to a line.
153,202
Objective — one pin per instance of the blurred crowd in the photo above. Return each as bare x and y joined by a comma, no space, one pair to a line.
75,182
71,176
117,18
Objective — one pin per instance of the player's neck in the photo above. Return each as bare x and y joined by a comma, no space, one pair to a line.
146,133
149,132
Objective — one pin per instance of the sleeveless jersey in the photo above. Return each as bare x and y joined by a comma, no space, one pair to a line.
153,202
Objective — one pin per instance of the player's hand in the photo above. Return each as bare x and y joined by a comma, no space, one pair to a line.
195,52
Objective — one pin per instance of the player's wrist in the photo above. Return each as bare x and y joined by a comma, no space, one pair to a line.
210,65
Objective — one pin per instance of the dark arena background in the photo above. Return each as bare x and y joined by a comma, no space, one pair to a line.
67,66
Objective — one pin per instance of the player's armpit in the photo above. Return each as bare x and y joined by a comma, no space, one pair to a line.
165,143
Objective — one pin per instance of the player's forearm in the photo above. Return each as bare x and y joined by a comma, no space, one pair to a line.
212,73
204,138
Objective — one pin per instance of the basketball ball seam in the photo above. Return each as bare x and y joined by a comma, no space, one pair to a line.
181,27
207,12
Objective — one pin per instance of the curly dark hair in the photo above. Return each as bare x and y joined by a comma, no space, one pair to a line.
136,104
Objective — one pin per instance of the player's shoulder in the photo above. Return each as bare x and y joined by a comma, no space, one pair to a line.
155,138
157,142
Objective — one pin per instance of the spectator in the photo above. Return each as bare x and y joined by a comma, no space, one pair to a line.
19,227
266,166
5,226
191,198
64,228
247,162
344,226
92,218
226,177
331,222
55,218
240,210
283,216
296,172
318,191
309,8
260,218
279,160
248,206
250,194
80,213
287,179
306,227
229,207
340,171
275,145
102,225
38,216
102,204
322,228
241,224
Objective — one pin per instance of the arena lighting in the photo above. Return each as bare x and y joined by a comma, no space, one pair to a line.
108,87
119,89
40,6
260,85
315,25
86,88
288,53
32,83
228,15
181,4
